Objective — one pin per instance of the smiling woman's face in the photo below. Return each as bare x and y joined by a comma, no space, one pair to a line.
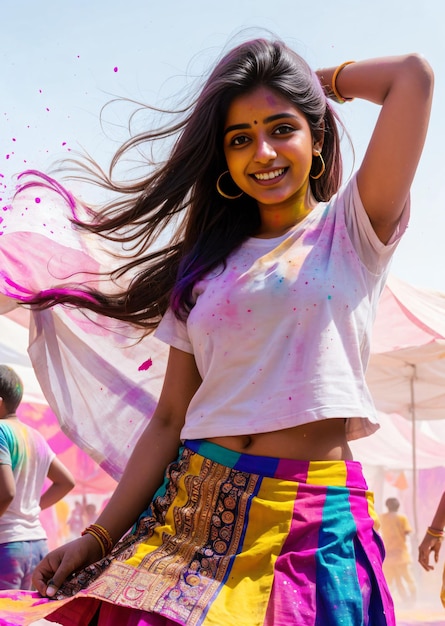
269,148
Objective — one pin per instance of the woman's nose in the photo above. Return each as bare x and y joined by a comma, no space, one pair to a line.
264,151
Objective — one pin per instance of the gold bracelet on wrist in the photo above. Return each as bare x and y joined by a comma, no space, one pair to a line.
435,532
102,536
335,94
97,538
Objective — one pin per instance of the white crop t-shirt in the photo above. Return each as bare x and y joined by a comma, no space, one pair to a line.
281,335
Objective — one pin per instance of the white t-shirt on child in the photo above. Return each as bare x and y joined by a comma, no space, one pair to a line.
29,455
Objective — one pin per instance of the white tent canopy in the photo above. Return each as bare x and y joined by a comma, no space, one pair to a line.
406,375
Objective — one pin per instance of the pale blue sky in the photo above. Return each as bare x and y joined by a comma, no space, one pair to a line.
58,61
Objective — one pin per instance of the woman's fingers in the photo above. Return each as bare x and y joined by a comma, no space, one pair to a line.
45,570
60,564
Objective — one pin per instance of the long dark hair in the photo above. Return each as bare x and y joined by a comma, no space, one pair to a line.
183,187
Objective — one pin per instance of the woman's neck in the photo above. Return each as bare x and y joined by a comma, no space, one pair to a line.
276,220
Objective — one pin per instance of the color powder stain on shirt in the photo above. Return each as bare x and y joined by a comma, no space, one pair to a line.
116,69
145,365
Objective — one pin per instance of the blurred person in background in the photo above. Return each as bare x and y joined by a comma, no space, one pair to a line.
397,565
26,461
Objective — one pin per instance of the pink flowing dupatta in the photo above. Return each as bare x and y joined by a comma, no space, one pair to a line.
100,381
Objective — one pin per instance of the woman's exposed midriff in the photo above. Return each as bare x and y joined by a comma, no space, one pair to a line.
324,440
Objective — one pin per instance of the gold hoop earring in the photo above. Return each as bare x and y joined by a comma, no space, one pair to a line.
221,192
323,166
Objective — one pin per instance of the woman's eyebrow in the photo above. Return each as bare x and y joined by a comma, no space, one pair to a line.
237,127
267,120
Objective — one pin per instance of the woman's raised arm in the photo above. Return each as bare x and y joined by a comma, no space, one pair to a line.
403,86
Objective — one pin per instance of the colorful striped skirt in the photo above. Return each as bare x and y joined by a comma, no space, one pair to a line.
235,540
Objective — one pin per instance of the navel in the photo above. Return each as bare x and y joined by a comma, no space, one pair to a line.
246,441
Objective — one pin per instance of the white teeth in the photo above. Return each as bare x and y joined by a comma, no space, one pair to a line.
270,175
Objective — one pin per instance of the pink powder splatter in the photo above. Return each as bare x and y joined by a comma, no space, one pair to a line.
37,200
145,365
116,69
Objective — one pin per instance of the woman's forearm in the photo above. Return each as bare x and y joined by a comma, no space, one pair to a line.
156,448
373,79
439,517
403,87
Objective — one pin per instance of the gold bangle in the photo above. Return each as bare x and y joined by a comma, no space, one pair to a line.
102,535
436,530
437,534
337,95
88,531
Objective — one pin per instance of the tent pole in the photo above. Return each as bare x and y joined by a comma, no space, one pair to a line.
414,446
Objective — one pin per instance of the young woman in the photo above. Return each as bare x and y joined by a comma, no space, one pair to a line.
267,293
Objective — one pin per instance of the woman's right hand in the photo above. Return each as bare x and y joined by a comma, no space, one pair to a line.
62,562
429,545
